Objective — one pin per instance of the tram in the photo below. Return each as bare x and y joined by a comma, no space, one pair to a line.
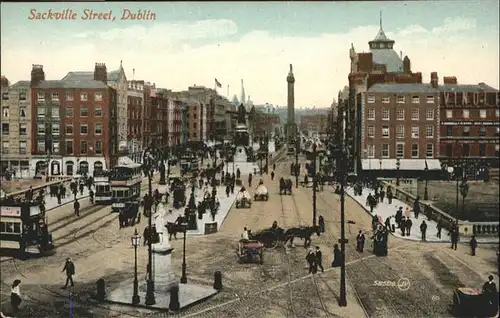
189,163
125,181
102,187
23,227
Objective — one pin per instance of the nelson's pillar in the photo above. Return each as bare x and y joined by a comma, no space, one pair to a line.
290,124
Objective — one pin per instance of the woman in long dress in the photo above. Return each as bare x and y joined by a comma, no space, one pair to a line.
15,295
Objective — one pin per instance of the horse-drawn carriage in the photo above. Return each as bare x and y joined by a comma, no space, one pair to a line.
261,193
285,186
130,214
276,236
178,189
250,251
243,199
471,302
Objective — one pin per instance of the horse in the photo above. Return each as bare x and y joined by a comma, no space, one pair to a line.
285,186
304,232
270,237
173,229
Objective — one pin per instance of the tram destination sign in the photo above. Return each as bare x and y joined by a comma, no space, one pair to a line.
470,123
10,211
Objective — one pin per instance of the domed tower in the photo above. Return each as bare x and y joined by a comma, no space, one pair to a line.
291,129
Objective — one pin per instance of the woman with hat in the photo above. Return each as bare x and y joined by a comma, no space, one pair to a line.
15,295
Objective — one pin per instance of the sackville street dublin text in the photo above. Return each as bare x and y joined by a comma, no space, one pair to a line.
91,14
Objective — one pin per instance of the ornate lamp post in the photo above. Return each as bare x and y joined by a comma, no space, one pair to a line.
148,162
136,241
426,176
398,165
315,183
297,150
267,153
184,277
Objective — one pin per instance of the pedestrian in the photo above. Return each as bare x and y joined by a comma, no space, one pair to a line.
319,259
473,245
423,229
337,256
454,237
15,295
274,166
81,187
416,207
399,216
360,241
382,195
409,224
311,259
250,180
69,267
389,195
388,223
402,226
58,197
321,224
439,227
76,206
272,175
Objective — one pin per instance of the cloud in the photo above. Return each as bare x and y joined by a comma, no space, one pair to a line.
455,25
169,57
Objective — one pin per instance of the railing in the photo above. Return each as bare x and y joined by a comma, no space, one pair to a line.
55,180
466,228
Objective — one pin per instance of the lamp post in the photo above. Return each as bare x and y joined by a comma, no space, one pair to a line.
398,165
342,157
426,176
148,162
184,277
464,190
234,153
297,149
315,184
136,241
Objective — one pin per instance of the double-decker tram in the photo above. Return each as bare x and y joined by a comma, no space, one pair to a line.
23,227
102,187
125,183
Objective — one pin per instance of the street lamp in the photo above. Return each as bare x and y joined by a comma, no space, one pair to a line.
426,176
398,165
315,183
184,277
136,241
343,156
267,153
297,149
148,162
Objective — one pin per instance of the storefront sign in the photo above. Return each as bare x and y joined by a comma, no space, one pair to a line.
459,99
10,211
470,123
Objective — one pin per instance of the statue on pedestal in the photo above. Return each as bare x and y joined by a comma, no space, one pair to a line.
242,115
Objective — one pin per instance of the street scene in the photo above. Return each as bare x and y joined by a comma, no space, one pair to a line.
127,191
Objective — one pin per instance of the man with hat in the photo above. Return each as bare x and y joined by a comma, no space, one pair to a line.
69,267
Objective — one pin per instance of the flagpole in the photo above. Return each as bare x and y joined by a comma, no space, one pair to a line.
227,91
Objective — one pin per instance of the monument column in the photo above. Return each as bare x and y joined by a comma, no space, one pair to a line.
291,127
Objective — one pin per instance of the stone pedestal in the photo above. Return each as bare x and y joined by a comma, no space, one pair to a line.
162,255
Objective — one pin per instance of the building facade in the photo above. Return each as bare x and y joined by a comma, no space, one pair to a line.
135,119
159,121
314,123
16,128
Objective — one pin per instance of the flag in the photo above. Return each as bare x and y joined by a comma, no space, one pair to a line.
217,83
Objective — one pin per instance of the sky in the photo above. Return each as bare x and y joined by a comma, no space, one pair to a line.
193,43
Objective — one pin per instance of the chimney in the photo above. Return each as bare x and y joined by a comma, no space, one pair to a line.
37,74
406,65
450,80
101,73
434,79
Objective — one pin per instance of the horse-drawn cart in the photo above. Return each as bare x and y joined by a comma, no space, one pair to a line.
285,186
250,251
471,302
261,193
243,199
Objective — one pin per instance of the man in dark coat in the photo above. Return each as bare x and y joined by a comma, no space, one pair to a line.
272,175
337,256
473,245
319,259
408,224
439,227
402,226
382,195
311,259
399,216
389,195
69,267
250,180
454,238
423,230
76,206
416,207
371,202
360,241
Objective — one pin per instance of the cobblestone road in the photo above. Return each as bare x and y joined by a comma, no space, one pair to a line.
278,288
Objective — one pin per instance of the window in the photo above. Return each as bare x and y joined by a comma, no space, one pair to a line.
371,99
5,147
98,97
415,131
449,113
401,99
83,147
385,131
400,131
55,129
69,146
415,114
55,147
400,114
22,95
40,97
497,132
40,146
429,151
68,129
84,111
98,147
371,131
23,129
482,131
83,96
482,150
497,112
400,150
5,112
5,96
371,114
23,111
449,131
68,112
429,114
5,129
465,114
84,129
386,100
466,131
414,150
385,151
98,112
55,112
415,100
98,129
482,113
466,150
371,151
40,129
449,150
430,99
69,96
497,150
23,147
385,114
429,131
40,111
55,97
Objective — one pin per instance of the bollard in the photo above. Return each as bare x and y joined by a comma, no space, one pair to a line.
174,299
218,281
101,289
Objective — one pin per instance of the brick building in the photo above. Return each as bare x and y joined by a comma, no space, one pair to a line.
72,128
135,119
314,123
159,121
16,127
